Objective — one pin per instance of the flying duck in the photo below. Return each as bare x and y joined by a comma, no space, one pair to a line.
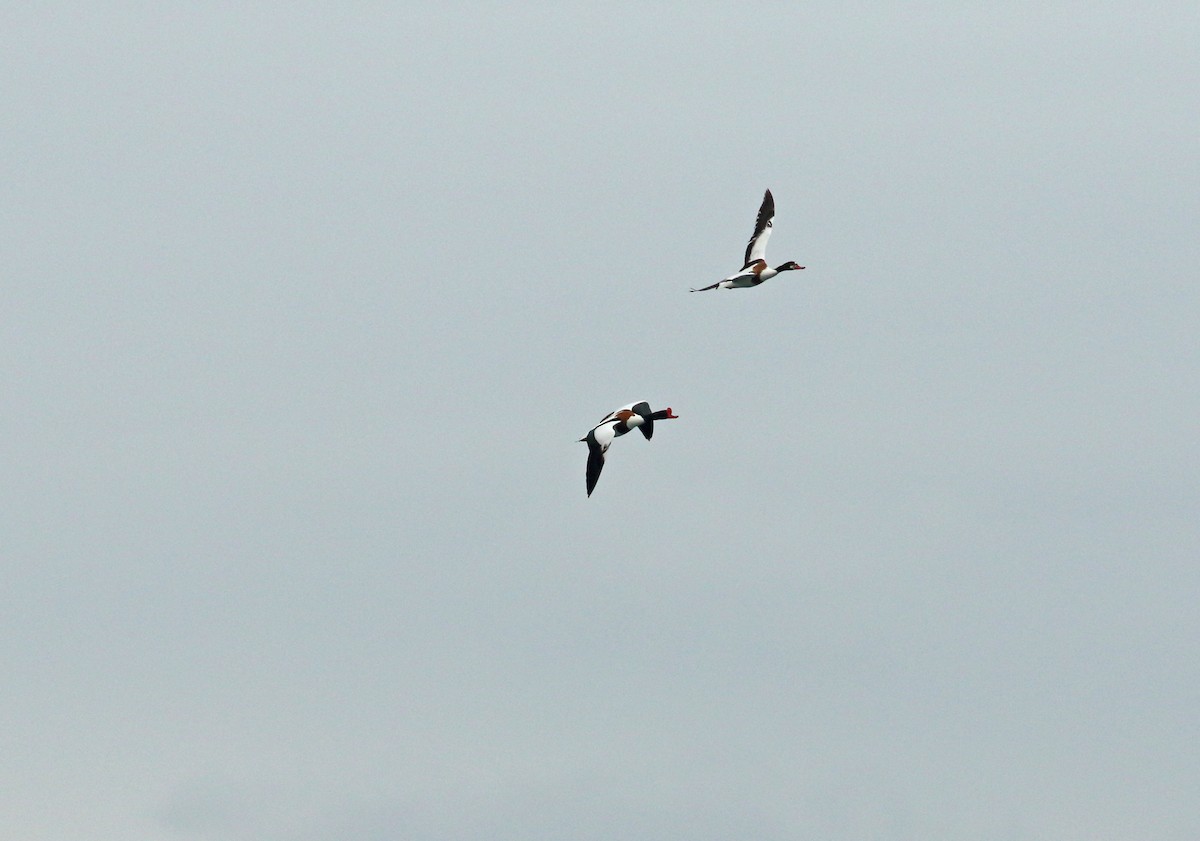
614,425
755,269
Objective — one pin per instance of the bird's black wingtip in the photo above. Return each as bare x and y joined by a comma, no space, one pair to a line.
595,464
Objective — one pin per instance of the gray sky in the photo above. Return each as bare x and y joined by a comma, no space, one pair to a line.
304,311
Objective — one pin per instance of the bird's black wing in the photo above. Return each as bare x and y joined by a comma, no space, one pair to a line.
594,466
643,409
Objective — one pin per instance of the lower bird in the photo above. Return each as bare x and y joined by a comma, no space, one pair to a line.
614,425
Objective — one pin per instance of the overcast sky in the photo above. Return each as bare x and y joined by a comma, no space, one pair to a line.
305,307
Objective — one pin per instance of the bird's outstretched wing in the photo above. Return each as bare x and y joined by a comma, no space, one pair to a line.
594,466
647,427
756,249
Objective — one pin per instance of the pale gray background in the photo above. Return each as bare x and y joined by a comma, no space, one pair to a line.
305,306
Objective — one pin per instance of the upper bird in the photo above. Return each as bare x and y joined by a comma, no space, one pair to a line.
755,270
614,425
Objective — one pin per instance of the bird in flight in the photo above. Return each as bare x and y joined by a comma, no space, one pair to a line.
614,425
755,269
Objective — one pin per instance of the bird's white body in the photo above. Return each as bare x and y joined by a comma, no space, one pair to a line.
748,277
634,418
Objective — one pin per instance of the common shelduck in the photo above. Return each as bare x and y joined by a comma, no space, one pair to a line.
755,270
614,425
